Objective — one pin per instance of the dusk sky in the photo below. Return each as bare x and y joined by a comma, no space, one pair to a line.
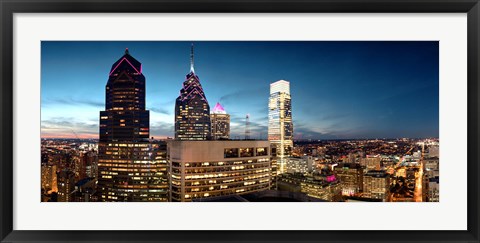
339,89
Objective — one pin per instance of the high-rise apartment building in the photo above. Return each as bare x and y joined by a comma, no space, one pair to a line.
376,185
130,167
66,185
433,189
192,111
350,176
49,178
371,162
280,124
220,121
204,169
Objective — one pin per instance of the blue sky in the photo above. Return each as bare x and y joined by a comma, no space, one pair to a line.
339,89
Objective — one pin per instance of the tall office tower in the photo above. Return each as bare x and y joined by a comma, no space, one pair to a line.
125,117
204,169
220,121
192,112
280,124
130,167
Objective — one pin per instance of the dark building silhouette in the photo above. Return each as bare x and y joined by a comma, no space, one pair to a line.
130,167
125,117
192,112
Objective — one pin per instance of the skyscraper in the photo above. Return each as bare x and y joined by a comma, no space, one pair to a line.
125,117
220,121
192,112
280,124
130,167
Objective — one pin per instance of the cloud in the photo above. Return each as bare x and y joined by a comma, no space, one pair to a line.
68,127
304,131
166,107
258,127
73,102
243,95
160,110
162,129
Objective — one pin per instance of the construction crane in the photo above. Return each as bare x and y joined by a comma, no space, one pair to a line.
75,134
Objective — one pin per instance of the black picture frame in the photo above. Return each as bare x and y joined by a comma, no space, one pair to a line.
9,7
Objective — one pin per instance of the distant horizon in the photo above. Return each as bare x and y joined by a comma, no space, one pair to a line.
340,89
303,139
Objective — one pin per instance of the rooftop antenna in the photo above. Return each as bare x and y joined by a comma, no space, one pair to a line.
192,69
247,127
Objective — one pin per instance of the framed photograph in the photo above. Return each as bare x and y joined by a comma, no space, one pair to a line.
210,121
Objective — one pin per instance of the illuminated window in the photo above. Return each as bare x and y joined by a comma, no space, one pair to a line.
262,151
231,153
246,152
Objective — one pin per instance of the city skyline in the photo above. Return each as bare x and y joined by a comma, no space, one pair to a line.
389,89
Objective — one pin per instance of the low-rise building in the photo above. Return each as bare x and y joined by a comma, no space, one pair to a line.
321,189
202,169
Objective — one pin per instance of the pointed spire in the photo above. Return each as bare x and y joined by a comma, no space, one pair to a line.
192,70
126,51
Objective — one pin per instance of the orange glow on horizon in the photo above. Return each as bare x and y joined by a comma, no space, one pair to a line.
69,135
84,136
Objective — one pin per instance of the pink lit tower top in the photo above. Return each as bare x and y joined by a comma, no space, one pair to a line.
220,121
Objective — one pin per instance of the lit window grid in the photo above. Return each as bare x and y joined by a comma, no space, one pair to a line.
376,187
136,173
220,126
280,126
219,178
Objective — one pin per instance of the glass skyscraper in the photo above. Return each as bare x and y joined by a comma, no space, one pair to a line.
130,167
192,112
280,124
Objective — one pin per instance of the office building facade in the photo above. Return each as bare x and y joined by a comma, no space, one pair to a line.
302,164
376,185
325,190
130,166
280,124
66,185
203,169
350,176
220,122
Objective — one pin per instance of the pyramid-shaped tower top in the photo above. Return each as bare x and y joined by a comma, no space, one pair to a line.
218,109
127,62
